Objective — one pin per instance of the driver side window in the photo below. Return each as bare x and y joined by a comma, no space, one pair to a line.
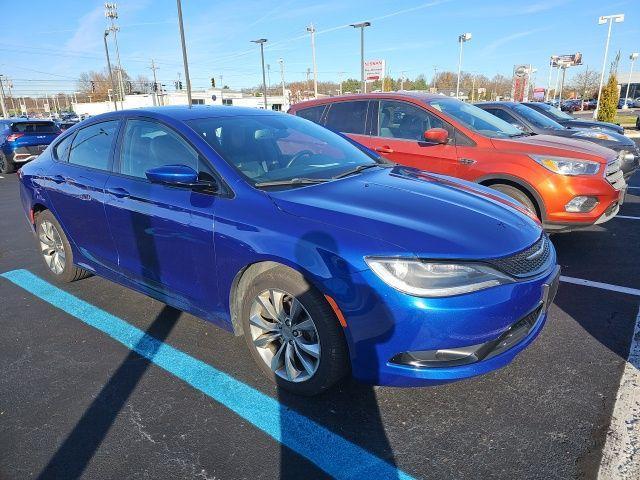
402,120
148,144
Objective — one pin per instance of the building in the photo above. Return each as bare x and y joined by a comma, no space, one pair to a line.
634,85
202,97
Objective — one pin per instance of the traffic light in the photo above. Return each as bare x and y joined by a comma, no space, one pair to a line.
213,82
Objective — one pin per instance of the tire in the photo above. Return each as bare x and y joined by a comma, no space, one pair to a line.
516,194
6,165
308,375
55,249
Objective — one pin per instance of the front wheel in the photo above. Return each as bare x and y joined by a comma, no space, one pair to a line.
292,333
516,194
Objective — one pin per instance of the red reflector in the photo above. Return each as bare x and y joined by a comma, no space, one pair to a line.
32,216
14,136
337,311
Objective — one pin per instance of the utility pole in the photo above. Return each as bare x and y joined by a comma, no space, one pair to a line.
402,80
362,26
312,30
111,12
187,79
341,79
564,72
618,18
261,42
156,98
284,90
106,51
4,108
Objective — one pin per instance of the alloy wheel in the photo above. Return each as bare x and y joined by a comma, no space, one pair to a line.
52,247
284,335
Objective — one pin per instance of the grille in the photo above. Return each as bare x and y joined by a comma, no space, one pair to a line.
528,262
613,174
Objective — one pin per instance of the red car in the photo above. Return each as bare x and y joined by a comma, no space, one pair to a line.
567,183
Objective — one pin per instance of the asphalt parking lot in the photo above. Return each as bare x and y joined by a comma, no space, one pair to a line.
80,400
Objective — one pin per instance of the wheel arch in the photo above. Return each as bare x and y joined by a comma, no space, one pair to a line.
521,185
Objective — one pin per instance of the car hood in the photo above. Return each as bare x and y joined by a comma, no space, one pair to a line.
431,216
559,146
578,123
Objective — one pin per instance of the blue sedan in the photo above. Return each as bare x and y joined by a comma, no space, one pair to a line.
328,259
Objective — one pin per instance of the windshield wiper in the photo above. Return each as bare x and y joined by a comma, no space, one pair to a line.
292,181
360,168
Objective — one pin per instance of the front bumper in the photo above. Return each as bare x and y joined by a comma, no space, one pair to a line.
383,324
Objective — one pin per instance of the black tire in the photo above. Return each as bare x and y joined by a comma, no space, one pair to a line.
333,362
6,165
516,194
69,272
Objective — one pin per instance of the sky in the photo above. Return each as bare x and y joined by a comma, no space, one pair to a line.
57,40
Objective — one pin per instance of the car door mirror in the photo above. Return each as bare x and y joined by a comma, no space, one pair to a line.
178,176
436,135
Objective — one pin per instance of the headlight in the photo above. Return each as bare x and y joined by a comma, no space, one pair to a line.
567,166
600,135
435,279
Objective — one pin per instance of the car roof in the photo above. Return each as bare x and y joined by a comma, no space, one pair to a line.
24,120
400,95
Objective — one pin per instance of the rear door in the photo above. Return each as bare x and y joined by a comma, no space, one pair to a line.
399,137
75,187
163,234
350,118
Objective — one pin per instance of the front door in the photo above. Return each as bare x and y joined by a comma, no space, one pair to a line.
163,234
400,138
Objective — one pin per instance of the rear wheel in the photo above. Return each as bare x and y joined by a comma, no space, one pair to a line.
6,165
55,249
292,333
516,194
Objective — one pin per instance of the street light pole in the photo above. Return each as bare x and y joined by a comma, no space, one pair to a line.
106,51
284,90
187,79
618,18
312,30
362,26
261,42
633,58
465,37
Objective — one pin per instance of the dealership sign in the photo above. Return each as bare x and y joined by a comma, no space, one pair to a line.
374,70
566,60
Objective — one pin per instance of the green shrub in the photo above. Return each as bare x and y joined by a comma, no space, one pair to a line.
609,100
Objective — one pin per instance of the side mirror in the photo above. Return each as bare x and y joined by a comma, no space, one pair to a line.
436,135
178,176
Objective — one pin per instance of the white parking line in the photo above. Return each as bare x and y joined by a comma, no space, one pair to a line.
1,176
627,217
622,445
603,286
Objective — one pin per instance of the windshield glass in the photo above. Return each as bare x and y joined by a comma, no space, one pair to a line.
555,112
267,148
475,118
536,118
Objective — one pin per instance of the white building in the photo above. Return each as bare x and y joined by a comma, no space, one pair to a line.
202,97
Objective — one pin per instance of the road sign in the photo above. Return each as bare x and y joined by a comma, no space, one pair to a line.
374,70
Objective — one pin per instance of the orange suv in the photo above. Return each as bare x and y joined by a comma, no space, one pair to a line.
567,183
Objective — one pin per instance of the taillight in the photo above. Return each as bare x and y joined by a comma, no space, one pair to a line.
14,136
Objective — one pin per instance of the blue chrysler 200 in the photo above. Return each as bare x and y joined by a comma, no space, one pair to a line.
327,259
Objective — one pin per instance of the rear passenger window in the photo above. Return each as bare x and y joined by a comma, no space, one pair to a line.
313,113
347,117
92,145
503,115
61,150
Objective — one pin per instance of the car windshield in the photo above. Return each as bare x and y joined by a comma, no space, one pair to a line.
476,119
280,148
536,118
555,112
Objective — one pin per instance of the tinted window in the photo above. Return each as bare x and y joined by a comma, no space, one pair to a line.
34,127
61,150
535,117
279,147
347,117
314,113
92,145
503,114
406,121
147,144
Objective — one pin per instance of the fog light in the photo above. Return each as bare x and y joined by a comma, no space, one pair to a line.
581,204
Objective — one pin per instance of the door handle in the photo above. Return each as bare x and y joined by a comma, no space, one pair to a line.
57,179
118,192
384,149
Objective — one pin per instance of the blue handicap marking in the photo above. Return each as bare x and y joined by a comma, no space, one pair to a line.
332,453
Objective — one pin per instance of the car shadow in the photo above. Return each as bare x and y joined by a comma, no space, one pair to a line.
350,409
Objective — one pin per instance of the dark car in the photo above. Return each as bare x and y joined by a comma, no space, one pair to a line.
533,122
328,259
22,140
570,121
64,125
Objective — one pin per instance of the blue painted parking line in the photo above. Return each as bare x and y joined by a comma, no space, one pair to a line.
329,451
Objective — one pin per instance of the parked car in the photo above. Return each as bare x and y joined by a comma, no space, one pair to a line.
636,102
622,101
568,183
22,140
534,123
326,258
572,105
570,121
64,125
